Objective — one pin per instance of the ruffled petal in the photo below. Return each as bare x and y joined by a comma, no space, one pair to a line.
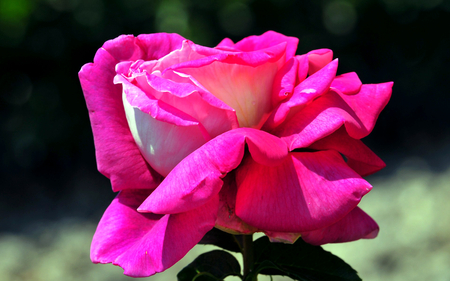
181,92
347,83
304,93
356,225
284,83
307,191
163,134
312,62
266,40
158,45
317,59
359,157
231,78
199,176
330,111
144,244
112,138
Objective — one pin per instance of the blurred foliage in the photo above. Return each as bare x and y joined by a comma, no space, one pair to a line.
46,147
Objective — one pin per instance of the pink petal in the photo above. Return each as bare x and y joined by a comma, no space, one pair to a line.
307,191
164,135
360,158
177,56
318,59
180,91
158,45
266,40
311,88
226,218
329,112
199,176
144,244
356,225
112,138
123,48
367,106
226,43
231,78
347,83
312,62
284,83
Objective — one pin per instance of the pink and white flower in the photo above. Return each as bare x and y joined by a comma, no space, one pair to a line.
246,137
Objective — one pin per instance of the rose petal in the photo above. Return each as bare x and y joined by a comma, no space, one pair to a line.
311,88
226,43
144,244
198,177
312,61
360,158
164,135
266,40
179,90
158,45
112,138
231,78
330,111
356,225
318,59
284,83
306,192
348,83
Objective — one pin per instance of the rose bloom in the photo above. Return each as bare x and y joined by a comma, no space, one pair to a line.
245,137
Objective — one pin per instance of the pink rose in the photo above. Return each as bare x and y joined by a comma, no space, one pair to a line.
246,137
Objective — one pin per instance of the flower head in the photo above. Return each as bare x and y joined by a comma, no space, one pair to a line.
246,137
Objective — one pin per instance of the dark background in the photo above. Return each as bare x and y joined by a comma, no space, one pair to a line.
48,170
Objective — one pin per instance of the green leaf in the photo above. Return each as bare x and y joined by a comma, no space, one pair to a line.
300,261
223,240
210,266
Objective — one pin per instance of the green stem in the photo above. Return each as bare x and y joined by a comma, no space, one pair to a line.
248,254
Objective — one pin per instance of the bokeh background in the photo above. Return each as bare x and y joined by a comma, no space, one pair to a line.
52,195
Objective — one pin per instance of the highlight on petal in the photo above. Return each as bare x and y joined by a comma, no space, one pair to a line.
356,225
144,244
304,93
113,140
359,157
308,191
199,176
332,110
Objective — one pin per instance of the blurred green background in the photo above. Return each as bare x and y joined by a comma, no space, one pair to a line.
53,196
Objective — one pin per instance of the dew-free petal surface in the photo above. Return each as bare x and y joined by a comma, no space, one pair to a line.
356,225
308,191
359,157
199,176
332,110
144,244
